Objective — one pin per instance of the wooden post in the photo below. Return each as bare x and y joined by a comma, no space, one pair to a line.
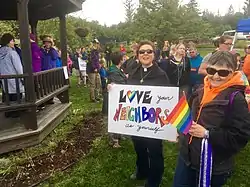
33,25
63,39
29,116
64,97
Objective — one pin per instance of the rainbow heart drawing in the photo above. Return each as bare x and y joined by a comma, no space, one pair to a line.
131,95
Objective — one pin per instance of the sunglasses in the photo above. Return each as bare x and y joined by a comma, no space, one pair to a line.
228,44
149,51
221,72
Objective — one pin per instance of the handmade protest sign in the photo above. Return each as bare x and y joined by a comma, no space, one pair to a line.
142,111
82,64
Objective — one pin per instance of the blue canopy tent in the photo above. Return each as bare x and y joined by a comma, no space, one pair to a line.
243,26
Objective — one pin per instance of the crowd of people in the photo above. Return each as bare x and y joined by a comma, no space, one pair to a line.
216,86
46,57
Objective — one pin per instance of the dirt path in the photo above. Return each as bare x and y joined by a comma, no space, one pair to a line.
68,152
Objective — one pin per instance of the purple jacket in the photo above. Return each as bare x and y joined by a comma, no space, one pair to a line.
49,58
94,61
36,57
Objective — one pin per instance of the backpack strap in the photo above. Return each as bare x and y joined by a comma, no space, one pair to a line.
231,99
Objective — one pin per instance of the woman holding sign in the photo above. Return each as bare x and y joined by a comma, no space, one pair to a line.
150,162
221,126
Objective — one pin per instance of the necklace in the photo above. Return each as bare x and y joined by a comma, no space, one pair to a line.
143,77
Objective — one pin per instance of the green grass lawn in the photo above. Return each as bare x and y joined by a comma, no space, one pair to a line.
108,167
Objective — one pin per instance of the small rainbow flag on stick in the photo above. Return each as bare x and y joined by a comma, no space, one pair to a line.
181,117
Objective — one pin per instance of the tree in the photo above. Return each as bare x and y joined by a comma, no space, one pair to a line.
230,10
193,5
246,8
130,9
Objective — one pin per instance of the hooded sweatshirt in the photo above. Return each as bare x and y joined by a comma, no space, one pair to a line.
10,64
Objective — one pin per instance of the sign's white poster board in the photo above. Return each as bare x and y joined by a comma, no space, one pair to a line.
65,71
142,111
82,64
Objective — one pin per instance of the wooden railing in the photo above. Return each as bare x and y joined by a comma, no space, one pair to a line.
48,82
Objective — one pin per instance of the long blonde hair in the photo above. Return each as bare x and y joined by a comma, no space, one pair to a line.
172,50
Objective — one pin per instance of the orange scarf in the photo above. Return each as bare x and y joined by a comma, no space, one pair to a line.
238,79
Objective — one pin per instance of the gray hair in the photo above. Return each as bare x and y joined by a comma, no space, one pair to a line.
223,58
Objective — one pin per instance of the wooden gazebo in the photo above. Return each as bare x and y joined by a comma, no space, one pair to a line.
32,126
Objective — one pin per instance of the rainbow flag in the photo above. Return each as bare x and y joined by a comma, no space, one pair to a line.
181,117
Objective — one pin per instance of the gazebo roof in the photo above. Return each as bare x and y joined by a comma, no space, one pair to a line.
40,9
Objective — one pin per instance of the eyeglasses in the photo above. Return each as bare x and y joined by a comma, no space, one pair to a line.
229,44
149,51
221,72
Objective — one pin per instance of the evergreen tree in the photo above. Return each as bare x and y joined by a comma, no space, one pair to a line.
246,8
130,9
230,10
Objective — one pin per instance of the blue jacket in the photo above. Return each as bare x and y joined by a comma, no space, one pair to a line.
85,55
59,62
195,63
103,73
49,59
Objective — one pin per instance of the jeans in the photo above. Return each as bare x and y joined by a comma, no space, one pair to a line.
150,162
185,176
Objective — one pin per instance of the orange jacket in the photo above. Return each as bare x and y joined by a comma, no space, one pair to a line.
246,67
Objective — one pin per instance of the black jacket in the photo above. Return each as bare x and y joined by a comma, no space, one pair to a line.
179,75
228,125
129,65
154,76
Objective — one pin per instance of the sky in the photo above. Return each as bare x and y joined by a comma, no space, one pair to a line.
111,12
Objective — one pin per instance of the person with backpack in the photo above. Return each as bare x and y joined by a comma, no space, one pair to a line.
220,128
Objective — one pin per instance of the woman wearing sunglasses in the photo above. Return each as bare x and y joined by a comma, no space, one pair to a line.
220,115
150,162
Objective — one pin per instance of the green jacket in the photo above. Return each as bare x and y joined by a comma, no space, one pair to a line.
116,76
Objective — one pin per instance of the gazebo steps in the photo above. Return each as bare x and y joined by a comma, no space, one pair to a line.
16,137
